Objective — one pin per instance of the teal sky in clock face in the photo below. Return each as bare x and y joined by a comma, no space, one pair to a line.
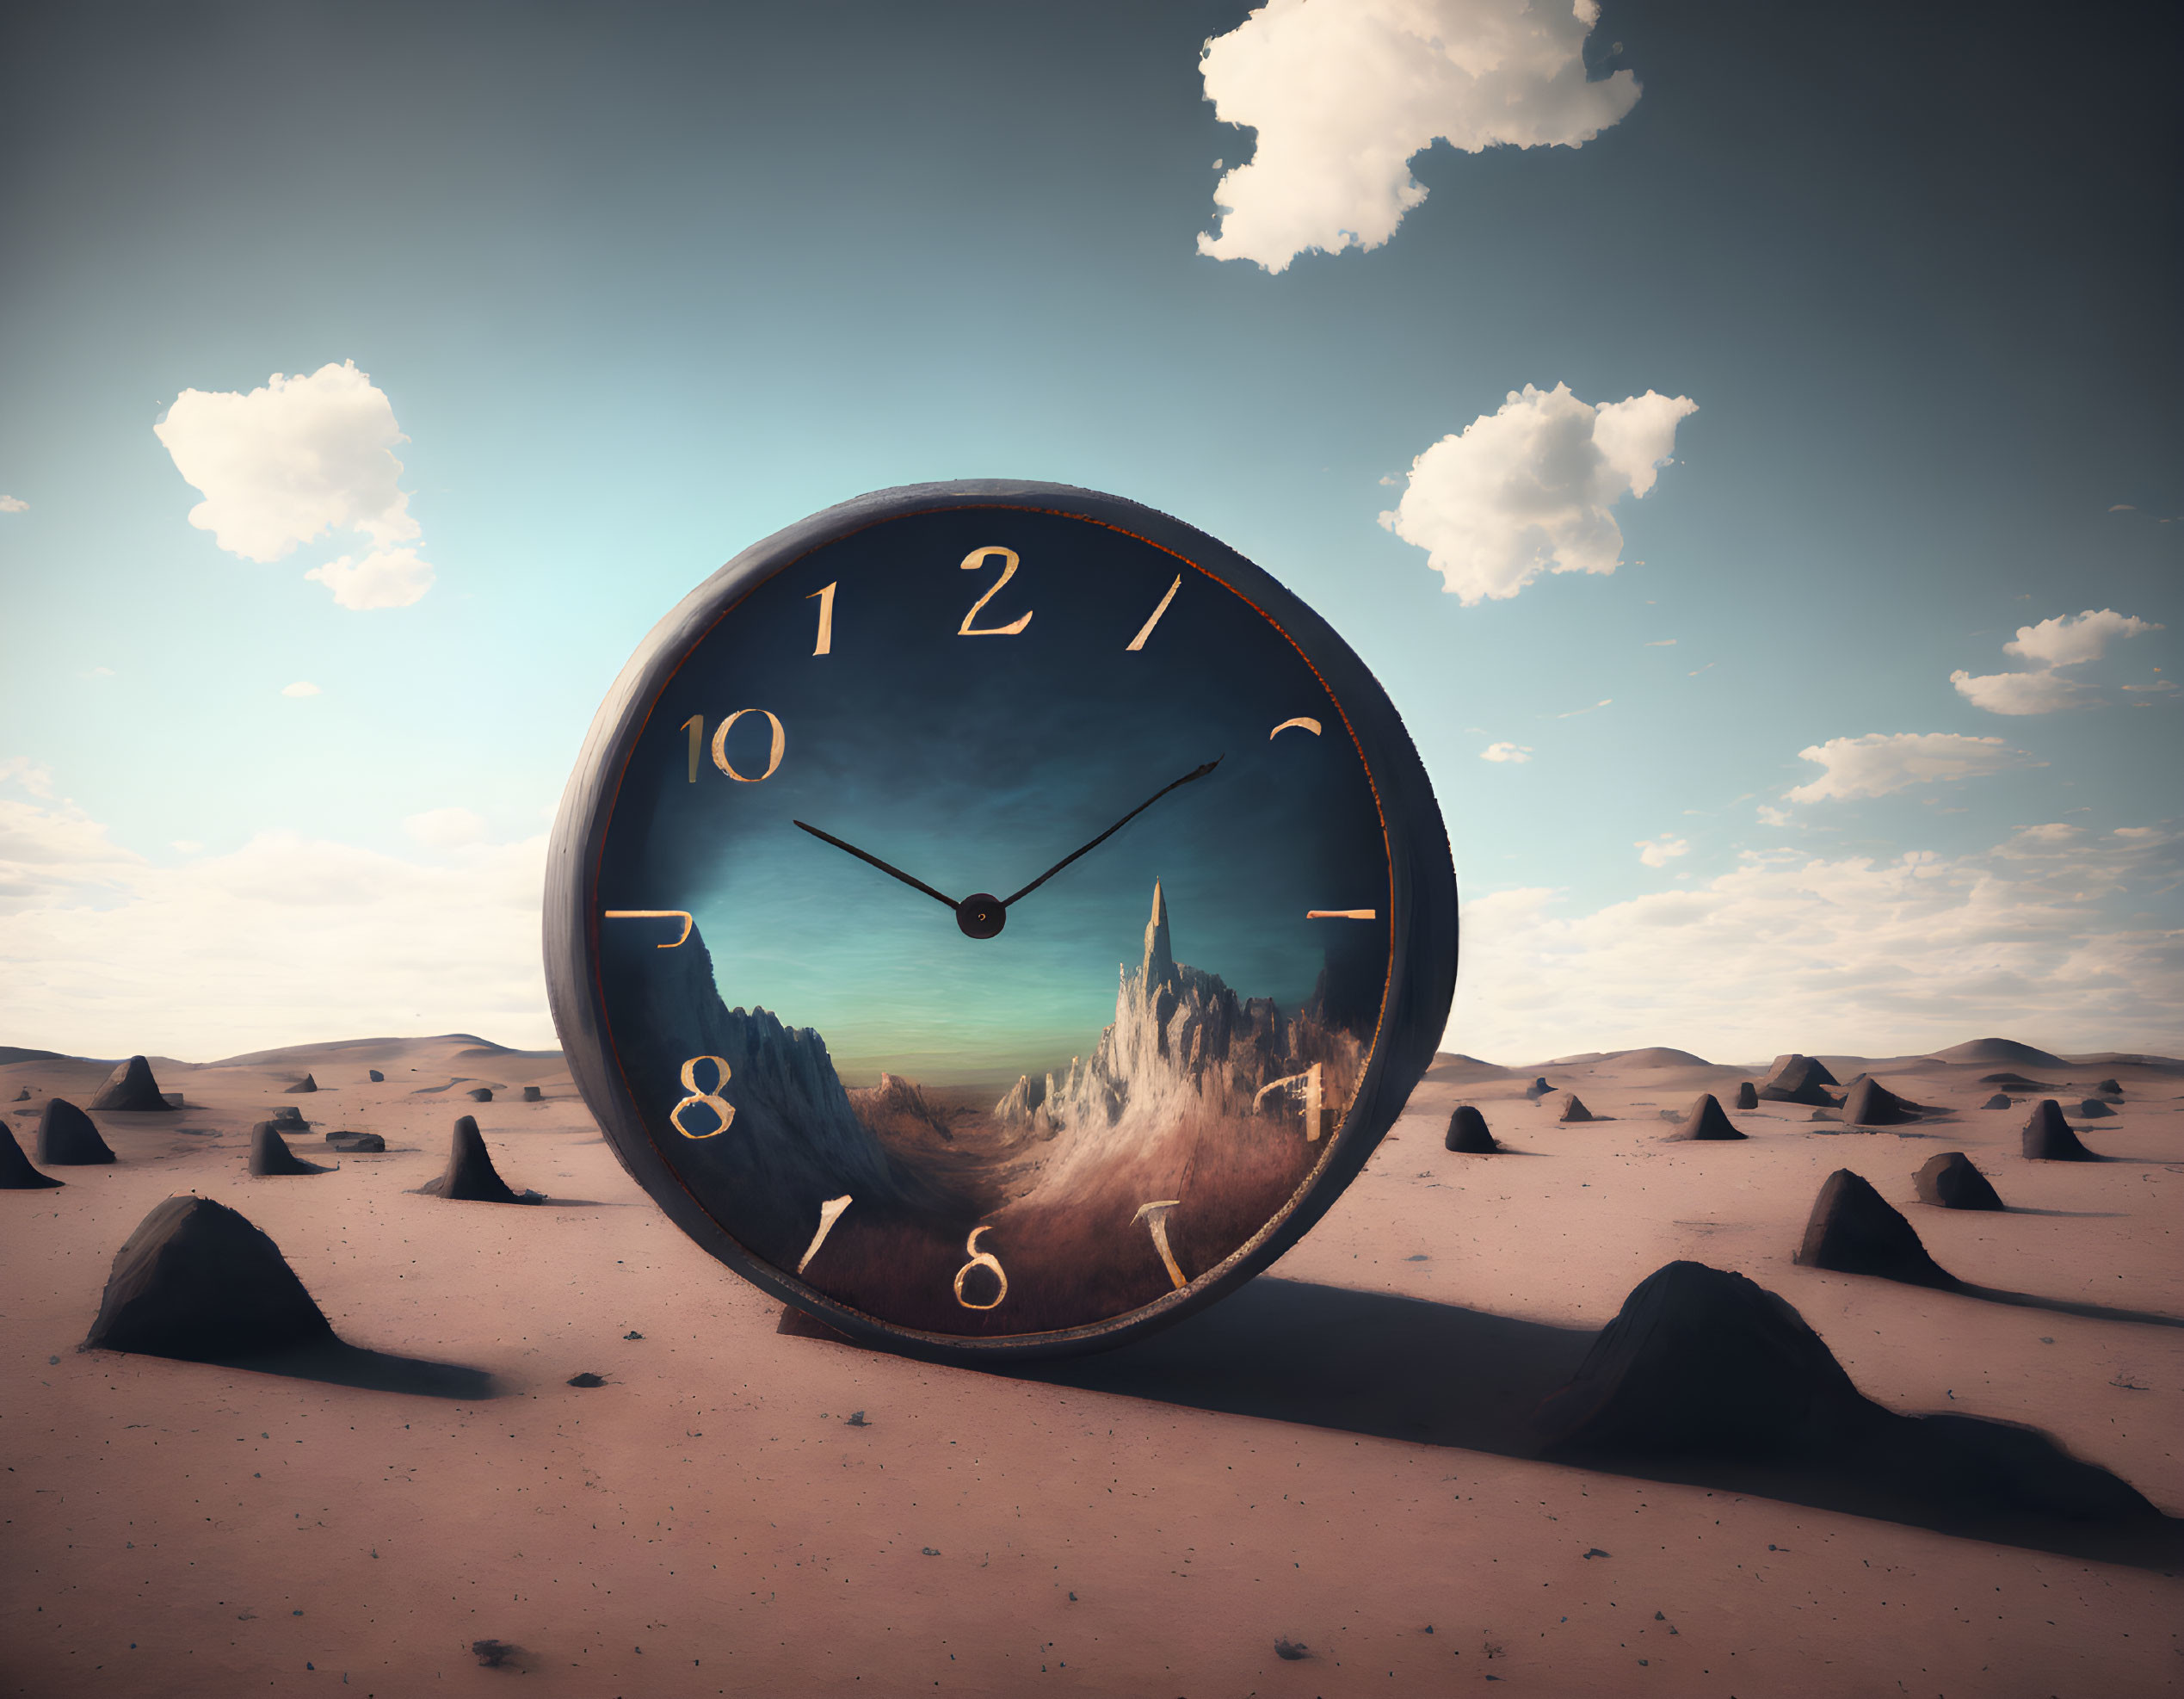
974,763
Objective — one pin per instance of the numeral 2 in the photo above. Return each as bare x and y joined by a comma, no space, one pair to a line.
971,562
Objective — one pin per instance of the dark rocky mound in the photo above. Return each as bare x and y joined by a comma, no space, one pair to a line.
1950,1181
2110,1087
470,1176
1798,1079
374,1076
1573,1109
270,1153
289,1116
1870,1103
533,1094
1854,1230
1700,1360
355,1142
1704,1120
16,1175
130,1086
2092,1109
2048,1137
66,1137
306,1083
23,1095
1538,1089
1467,1133
2015,1081
1746,1095
197,1281
480,1094
1999,1101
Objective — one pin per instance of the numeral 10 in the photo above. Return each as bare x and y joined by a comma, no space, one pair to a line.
695,726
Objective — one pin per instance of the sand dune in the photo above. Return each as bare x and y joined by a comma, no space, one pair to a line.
664,1495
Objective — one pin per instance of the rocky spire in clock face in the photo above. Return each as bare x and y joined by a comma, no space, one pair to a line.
1158,967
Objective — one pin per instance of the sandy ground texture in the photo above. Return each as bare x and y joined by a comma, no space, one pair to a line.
1335,1460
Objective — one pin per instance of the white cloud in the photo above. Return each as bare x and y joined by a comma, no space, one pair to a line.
1342,95
1658,852
99,946
1880,762
1663,643
21,770
1528,489
1773,817
384,578
444,828
1506,752
99,672
14,504
2069,639
2019,692
281,465
302,687
2043,938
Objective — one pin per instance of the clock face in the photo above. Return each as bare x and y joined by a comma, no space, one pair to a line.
989,927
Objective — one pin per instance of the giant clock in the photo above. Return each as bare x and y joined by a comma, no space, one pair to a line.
996,918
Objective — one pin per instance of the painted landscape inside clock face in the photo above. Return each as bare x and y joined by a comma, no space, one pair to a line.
1105,1099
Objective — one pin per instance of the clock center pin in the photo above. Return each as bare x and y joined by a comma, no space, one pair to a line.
981,915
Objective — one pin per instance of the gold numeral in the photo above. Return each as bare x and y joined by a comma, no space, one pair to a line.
1145,630
829,1213
683,915
723,1110
981,1259
1341,914
826,599
1304,1087
1157,1215
695,726
773,761
1303,719
971,562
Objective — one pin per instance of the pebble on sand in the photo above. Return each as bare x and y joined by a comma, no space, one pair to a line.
67,1138
1950,1181
1999,1101
1467,1133
306,1083
1573,1109
480,1094
374,1076
1746,1095
130,1086
1854,1230
533,1094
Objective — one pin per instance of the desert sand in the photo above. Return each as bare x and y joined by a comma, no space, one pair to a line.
1329,1484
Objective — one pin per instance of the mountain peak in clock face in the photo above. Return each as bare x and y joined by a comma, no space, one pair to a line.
1158,967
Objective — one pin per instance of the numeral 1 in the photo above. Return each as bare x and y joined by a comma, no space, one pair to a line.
695,726
1157,1214
826,599
1146,631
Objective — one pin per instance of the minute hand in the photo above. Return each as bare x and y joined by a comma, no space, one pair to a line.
1195,773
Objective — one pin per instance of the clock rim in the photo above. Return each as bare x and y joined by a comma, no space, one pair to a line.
1423,927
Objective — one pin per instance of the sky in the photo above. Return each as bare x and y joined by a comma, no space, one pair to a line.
1744,441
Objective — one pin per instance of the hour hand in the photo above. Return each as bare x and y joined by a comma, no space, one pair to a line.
893,872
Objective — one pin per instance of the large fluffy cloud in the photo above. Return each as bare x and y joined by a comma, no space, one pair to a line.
1528,488
1881,761
302,457
2066,640
284,940
1343,92
2043,938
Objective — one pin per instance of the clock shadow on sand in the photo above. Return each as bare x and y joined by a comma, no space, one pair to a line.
1178,1135
1420,1372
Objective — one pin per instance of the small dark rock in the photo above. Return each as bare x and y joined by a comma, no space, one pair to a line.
1854,1230
492,1654
855,1418
1467,1133
374,1075
2092,1109
356,1143
587,1379
130,1086
16,1175
1870,1103
1951,1181
2110,1087
1798,1079
1999,1101
289,1116
533,1094
2049,1137
480,1094
306,1083
1746,1095
1538,1089
67,1138
633,1334
1573,1109
1705,1121
269,1154
470,1176
1290,1651
197,1281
